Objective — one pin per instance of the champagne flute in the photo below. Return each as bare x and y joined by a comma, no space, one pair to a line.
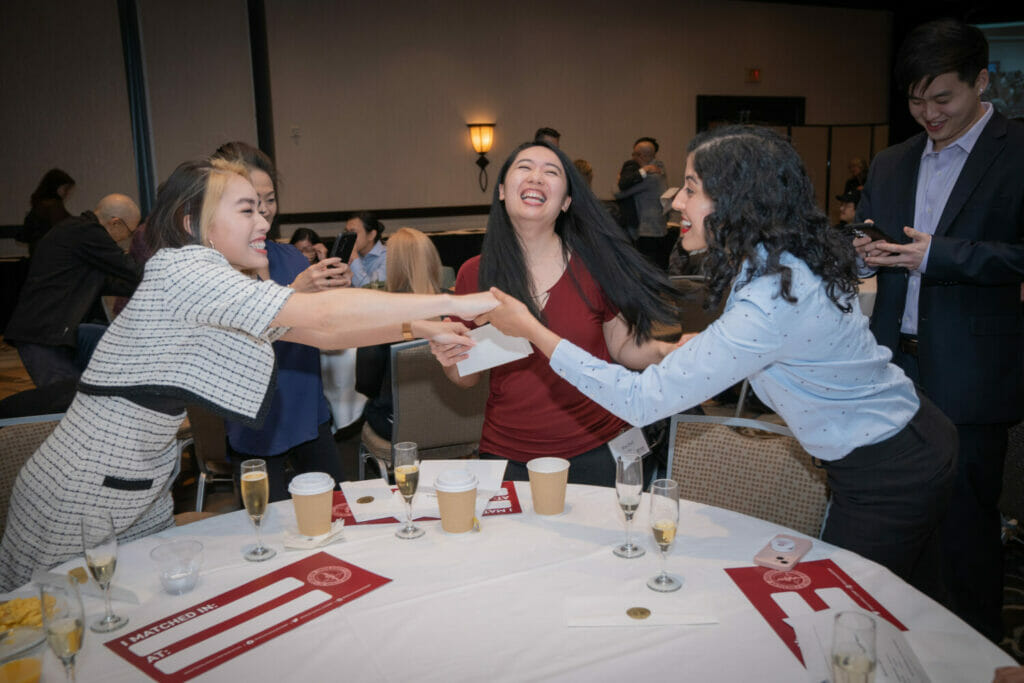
664,519
255,493
407,476
63,621
853,648
629,482
99,541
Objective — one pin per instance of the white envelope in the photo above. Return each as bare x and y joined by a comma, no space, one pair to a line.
492,348
382,505
591,611
489,474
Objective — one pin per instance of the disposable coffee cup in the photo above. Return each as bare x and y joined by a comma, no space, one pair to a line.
548,478
312,496
456,498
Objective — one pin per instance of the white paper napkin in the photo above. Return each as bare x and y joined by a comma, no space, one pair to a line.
293,539
493,348
381,506
590,611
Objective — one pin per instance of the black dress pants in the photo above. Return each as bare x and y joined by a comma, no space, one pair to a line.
889,499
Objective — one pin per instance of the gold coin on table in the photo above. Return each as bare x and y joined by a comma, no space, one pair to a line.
364,499
638,612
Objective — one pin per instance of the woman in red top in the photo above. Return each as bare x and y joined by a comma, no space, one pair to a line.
553,243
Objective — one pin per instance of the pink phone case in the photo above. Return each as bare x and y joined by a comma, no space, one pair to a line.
783,552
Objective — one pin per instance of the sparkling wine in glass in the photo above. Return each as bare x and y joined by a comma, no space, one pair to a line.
99,541
255,493
853,648
664,519
63,621
407,476
629,482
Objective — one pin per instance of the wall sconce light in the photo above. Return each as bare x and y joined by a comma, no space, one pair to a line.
482,137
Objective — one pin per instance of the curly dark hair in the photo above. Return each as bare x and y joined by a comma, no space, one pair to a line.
640,291
763,198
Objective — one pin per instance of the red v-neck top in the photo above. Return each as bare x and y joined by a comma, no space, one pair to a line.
531,411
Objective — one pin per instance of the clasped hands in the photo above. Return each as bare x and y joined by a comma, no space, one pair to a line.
879,253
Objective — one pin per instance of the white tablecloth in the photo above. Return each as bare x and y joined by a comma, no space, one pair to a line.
489,606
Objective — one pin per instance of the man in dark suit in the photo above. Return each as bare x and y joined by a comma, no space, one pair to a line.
74,263
948,303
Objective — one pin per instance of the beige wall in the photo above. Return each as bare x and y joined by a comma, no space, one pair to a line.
199,77
380,92
381,98
65,103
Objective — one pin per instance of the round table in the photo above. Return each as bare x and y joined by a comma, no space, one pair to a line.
491,606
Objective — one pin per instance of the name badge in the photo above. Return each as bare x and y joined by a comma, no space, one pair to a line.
630,444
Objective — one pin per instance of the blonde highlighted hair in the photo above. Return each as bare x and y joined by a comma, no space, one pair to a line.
187,201
413,264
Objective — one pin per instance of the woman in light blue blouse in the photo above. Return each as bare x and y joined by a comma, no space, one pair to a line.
791,325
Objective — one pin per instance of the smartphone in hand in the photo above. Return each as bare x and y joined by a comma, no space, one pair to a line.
343,246
867,230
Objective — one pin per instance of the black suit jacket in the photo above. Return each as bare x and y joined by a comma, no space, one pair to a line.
969,311
74,263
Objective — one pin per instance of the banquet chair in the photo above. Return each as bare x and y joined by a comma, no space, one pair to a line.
209,444
443,419
753,467
19,439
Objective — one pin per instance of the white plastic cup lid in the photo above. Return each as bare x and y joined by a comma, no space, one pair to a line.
310,484
455,481
547,465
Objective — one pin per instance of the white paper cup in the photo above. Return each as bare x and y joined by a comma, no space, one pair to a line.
456,499
179,563
313,496
548,479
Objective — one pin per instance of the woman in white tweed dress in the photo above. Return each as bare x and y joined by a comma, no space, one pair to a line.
197,330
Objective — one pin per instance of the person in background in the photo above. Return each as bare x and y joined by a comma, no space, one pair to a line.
309,243
791,325
847,207
414,266
47,207
75,263
295,436
548,136
551,241
644,186
948,301
368,262
197,331
586,171
858,169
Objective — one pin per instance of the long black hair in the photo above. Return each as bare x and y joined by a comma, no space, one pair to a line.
763,197
640,291
48,186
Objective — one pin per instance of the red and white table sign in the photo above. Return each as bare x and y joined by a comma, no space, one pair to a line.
190,642
809,585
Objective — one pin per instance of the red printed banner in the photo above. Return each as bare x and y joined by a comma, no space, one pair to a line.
199,638
502,504
759,584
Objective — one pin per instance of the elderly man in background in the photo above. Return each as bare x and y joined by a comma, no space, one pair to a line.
644,186
74,263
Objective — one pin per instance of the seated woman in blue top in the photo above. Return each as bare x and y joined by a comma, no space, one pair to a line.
296,435
793,327
368,261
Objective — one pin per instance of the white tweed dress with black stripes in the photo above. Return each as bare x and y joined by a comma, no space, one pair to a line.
196,331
